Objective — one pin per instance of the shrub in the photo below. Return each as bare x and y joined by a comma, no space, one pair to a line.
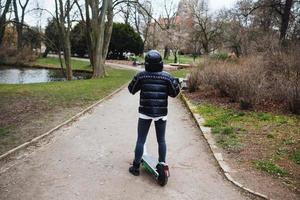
12,55
236,80
51,39
25,55
284,68
123,40
193,80
273,77
79,41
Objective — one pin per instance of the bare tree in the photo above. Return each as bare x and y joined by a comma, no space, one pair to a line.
177,40
62,15
285,18
153,37
167,22
98,33
4,9
142,19
99,23
206,27
283,9
137,13
19,21
194,43
126,11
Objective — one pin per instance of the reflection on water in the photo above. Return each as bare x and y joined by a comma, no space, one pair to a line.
16,75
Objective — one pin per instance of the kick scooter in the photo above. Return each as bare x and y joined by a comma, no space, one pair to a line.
160,170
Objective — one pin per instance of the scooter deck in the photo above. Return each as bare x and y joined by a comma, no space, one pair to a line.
149,164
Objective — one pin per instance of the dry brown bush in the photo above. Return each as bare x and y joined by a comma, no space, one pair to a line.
193,80
12,55
273,77
284,68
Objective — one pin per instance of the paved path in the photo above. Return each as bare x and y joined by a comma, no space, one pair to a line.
90,159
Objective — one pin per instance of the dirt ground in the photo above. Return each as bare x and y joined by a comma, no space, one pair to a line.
27,122
257,146
90,158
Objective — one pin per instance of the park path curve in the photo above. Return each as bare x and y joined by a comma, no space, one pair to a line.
90,158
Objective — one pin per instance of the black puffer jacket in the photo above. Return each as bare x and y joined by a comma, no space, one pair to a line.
155,86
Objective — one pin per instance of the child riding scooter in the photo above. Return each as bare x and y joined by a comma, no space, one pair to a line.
155,87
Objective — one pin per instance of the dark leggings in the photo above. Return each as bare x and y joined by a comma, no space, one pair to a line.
143,129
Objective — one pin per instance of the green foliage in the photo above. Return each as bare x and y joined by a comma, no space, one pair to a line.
220,56
133,58
227,131
228,125
289,141
264,116
124,39
181,73
52,36
212,123
79,40
270,167
270,135
281,151
296,155
230,143
278,134
32,38
219,120
3,131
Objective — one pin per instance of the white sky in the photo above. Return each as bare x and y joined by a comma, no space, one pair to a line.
219,4
33,19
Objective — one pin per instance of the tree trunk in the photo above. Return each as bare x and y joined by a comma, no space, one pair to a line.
205,47
285,18
67,46
107,34
19,23
45,54
61,64
97,31
19,37
64,31
67,57
99,70
166,52
175,56
3,20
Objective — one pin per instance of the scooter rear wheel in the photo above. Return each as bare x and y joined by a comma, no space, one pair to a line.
162,179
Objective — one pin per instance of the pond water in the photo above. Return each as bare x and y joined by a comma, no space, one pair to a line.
17,75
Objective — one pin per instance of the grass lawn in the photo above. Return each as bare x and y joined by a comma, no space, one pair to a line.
182,59
84,65
181,73
268,142
54,62
29,110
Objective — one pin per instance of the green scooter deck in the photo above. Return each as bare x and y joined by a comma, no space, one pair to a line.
149,163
